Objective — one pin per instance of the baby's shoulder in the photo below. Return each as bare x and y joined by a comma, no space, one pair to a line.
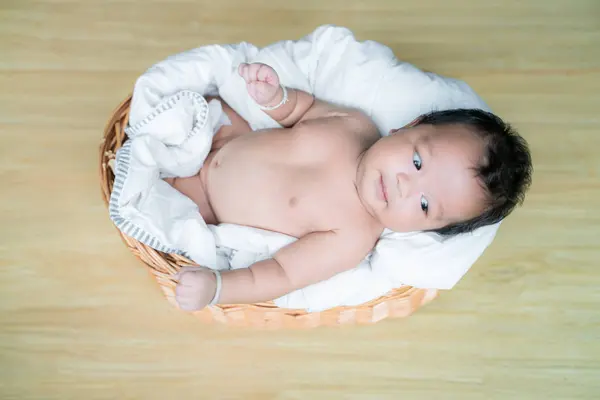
355,125
339,131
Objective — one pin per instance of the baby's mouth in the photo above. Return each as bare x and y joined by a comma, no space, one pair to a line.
383,189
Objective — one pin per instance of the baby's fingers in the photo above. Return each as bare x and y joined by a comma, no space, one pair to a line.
244,70
264,73
179,274
267,74
258,72
261,92
187,304
186,298
249,72
184,291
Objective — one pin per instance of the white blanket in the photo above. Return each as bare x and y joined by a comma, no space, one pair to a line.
171,128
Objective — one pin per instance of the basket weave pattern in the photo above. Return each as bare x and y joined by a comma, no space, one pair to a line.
400,302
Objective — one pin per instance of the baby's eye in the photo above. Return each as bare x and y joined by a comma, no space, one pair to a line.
424,204
417,160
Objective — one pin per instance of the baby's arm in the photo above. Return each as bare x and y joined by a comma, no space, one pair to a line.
263,86
311,259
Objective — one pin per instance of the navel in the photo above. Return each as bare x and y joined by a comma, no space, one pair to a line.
293,201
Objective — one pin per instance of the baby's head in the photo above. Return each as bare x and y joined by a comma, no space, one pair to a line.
448,171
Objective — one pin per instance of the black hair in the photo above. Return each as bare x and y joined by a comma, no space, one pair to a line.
504,171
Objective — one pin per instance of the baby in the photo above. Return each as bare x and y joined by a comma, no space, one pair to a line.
329,179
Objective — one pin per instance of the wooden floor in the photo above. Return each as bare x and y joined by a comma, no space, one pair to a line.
81,319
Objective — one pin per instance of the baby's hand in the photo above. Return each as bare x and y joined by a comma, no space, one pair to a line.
262,82
196,288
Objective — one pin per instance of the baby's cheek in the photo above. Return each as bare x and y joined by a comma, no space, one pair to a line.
401,220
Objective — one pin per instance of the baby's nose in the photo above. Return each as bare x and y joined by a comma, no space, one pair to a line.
404,185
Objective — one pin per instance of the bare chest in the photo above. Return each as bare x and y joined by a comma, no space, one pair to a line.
286,183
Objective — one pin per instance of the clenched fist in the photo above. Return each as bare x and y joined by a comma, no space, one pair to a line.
196,288
262,83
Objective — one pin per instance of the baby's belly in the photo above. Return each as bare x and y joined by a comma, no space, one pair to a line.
258,183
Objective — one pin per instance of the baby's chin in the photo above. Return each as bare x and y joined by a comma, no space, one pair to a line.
385,223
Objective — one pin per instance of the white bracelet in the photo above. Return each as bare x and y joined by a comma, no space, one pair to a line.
282,102
219,286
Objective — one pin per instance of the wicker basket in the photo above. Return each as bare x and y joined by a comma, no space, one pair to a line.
400,302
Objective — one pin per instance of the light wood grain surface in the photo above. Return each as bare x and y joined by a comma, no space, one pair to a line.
81,319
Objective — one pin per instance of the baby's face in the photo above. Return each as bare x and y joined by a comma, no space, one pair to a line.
422,178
